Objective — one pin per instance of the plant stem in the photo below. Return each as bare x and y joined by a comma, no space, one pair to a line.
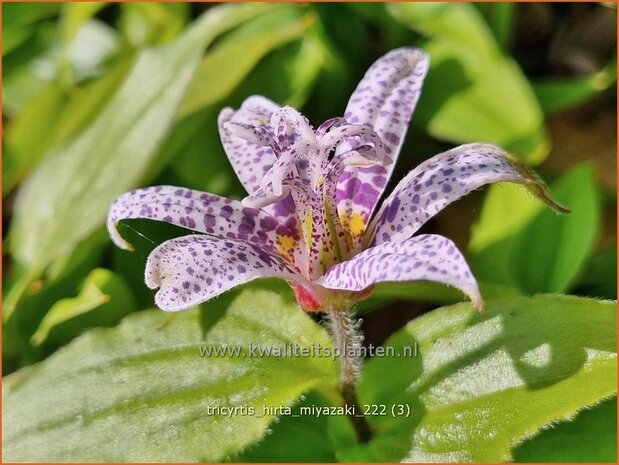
346,337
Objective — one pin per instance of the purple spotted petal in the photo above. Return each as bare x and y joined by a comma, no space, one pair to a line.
426,257
198,211
442,179
386,96
384,99
193,269
249,160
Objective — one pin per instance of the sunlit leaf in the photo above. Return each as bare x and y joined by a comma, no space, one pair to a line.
481,383
140,392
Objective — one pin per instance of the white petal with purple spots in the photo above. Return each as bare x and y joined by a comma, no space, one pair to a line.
249,160
426,257
192,269
386,96
442,179
384,100
198,211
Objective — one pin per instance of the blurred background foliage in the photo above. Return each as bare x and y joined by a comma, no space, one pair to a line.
100,98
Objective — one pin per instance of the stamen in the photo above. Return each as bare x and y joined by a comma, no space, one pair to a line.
259,135
288,120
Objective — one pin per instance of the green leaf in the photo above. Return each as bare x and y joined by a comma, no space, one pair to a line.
194,140
436,292
199,159
140,392
13,37
546,258
473,92
152,23
22,80
295,437
88,100
556,95
73,16
500,18
68,196
532,248
104,300
22,13
29,135
599,278
83,44
223,69
481,383
87,55
52,117
29,293
590,437
18,22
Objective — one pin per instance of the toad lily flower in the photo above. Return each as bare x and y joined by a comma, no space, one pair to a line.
312,214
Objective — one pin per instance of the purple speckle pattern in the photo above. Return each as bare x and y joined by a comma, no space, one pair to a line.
384,100
310,214
437,182
192,269
198,211
249,159
426,257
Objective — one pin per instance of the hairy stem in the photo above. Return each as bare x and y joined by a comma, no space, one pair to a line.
346,337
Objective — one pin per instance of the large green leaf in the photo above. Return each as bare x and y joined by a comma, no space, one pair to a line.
69,194
473,92
532,248
481,383
140,392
